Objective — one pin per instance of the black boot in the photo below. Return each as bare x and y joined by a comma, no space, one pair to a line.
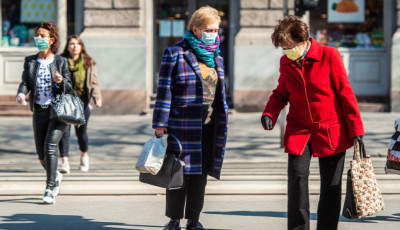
194,225
173,225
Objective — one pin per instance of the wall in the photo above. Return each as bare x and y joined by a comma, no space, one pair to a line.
395,71
256,62
115,36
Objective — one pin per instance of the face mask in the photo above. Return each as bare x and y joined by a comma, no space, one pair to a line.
42,43
293,53
209,38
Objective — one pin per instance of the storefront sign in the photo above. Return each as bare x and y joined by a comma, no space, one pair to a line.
36,11
346,11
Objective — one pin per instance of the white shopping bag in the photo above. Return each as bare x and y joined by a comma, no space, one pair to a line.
152,156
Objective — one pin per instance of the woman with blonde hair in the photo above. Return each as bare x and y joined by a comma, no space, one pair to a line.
191,104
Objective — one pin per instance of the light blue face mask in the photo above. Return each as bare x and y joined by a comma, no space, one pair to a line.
42,43
209,38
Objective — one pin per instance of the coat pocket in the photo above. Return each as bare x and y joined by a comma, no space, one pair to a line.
337,135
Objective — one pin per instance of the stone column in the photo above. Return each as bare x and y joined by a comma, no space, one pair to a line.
395,71
115,36
256,59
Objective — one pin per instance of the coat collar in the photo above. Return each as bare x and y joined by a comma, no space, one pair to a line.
192,59
315,52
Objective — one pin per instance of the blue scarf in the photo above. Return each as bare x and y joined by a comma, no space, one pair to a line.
205,53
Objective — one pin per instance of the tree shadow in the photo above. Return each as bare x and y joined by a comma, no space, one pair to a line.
313,216
62,222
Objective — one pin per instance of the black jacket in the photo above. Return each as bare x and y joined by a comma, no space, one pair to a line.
29,76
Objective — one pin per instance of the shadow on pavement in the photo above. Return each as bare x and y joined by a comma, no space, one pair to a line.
61,222
313,216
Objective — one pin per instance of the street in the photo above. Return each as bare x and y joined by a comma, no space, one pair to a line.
250,194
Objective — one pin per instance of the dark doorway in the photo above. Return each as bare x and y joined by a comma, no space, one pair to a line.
171,18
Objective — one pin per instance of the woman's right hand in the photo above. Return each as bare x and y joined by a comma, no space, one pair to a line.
21,99
267,122
159,132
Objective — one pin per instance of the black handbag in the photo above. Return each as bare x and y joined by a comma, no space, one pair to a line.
68,108
349,206
170,175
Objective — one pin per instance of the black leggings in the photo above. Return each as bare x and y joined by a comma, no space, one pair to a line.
47,135
81,134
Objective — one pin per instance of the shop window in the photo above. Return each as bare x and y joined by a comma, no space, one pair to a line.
356,24
20,17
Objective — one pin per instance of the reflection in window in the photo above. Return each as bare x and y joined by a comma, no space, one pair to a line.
366,35
20,17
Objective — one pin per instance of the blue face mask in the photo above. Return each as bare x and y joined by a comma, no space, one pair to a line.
209,38
42,43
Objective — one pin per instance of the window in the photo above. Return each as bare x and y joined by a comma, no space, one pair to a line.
366,35
20,18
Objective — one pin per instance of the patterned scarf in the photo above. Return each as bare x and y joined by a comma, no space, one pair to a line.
79,73
204,52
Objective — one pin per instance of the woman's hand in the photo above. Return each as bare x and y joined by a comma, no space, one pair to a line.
21,99
267,122
159,132
99,103
58,78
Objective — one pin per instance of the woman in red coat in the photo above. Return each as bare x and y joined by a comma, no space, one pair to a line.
322,121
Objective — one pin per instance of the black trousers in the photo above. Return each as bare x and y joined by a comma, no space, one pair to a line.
47,135
192,194
81,134
331,170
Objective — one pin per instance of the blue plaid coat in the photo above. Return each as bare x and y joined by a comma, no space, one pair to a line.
179,106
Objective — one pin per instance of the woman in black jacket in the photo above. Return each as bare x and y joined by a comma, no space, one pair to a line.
45,75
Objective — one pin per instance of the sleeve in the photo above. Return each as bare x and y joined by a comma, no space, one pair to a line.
67,83
277,101
95,84
163,100
346,95
24,86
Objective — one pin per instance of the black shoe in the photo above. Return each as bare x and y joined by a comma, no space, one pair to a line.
173,225
194,225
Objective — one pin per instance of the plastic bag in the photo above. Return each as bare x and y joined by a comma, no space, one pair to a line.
152,156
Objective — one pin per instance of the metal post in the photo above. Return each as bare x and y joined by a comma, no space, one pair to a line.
285,8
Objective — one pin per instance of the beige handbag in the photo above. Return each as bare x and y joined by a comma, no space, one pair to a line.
367,195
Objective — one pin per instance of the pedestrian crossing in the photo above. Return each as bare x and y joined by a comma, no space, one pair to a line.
248,178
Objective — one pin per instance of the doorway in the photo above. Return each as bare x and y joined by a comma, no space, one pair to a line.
170,21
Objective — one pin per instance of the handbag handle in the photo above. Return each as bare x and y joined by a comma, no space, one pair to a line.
179,143
359,150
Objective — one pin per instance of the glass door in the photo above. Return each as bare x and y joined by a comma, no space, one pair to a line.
171,18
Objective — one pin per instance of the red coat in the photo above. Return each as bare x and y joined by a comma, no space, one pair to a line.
323,107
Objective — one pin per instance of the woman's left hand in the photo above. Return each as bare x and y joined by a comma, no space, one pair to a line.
58,78
99,103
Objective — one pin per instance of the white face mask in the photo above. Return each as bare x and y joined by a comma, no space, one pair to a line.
209,38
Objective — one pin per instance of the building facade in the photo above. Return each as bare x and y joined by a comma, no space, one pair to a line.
127,38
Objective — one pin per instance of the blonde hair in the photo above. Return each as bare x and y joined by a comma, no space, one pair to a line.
203,16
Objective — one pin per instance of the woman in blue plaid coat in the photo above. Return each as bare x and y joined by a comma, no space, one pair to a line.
191,104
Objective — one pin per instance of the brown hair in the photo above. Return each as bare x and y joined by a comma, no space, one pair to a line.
203,16
53,30
88,61
290,31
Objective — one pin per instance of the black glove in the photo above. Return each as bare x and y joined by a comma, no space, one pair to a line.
267,122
